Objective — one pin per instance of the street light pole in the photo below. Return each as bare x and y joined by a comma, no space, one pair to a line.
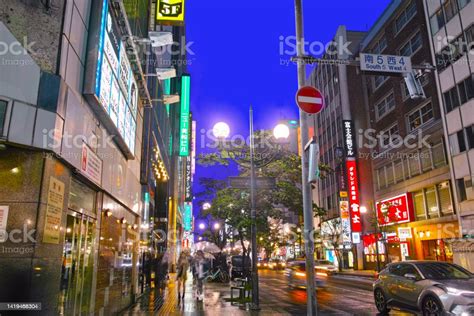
253,216
306,189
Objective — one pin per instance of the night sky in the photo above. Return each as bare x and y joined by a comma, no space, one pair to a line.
236,61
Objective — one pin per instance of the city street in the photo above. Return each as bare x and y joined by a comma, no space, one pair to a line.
264,149
342,295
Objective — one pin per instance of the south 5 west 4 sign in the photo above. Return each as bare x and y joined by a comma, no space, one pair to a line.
385,63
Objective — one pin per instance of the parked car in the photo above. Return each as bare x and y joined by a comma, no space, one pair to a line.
325,267
238,265
429,287
296,273
276,264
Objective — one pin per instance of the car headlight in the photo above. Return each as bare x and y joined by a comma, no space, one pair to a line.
454,291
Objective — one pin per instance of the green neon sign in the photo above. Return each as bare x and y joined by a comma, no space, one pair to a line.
184,118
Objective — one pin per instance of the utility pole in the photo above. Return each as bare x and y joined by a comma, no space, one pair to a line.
306,188
253,217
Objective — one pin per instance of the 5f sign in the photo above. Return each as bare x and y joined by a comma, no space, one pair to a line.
169,11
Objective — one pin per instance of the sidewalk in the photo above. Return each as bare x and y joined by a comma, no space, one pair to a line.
166,302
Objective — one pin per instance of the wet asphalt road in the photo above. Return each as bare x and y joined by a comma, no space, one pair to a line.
340,296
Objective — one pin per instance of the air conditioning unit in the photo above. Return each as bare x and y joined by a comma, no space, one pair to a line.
165,73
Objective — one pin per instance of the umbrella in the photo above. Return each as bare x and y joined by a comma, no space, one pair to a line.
207,246
207,255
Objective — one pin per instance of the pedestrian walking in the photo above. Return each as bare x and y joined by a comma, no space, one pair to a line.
182,272
200,268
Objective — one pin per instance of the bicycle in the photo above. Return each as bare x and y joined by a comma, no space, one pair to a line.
220,276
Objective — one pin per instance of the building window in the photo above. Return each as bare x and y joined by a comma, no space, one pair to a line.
425,157
405,16
420,117
389,135
3,113
457,142
399,172
470,136
450,9
431,202
419,204
390,175
437,21
414,165
466,89
463,3
378,81
381,178
470,34
380,46
412,46
445,202
462,196
385,106
451,99
437,152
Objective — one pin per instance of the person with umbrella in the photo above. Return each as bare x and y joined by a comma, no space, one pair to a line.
200,268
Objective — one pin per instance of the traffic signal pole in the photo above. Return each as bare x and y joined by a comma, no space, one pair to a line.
306,188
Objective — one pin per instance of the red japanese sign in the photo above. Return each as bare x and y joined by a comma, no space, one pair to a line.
354,199
396,210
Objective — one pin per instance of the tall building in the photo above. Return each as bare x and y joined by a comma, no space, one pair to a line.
451,29
413,194
78,144
342,92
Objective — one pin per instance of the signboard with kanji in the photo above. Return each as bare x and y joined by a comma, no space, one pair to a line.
354,199
385,63
396,210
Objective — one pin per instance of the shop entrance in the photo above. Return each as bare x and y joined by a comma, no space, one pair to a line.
78,262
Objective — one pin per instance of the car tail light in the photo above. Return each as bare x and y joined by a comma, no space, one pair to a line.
377,274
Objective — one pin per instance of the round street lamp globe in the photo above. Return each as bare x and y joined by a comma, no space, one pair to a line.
281,131
221,130
216,226
206,206
202,226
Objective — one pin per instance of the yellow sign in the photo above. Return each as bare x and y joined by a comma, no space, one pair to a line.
170,11
343,194
54,211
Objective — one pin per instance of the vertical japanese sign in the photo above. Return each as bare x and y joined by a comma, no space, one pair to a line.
354,199
188,216
3,222
54,211
193,148
184,118
349,139
188,185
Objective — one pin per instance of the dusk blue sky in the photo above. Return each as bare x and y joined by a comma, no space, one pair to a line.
236,61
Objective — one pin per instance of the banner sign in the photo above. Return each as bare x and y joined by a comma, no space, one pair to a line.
345,222
188,217
184,131
91,165
354,199
115,87
396,210
188,185
54,211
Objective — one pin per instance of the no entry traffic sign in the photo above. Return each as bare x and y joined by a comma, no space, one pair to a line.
310,100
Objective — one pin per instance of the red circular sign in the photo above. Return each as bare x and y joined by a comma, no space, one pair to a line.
310,100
